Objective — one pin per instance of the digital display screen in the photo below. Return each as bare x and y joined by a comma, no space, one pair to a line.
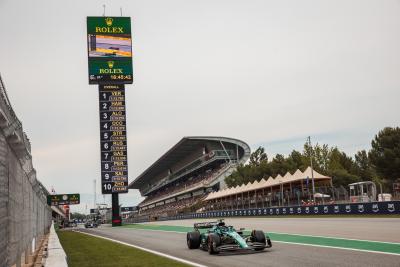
113,143
65,199
128,209
109,46
109,50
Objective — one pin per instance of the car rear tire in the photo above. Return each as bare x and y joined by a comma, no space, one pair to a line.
193,240
213,242
259,237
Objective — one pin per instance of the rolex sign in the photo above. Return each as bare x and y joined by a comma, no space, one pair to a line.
109,50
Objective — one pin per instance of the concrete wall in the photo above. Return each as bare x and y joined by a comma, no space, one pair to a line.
24,213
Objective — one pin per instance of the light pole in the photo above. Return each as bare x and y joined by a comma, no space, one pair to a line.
282,192
312,169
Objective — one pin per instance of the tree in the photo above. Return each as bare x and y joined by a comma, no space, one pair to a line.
385,153
296,160
341,177
339,160
77,215
279,165
381,164
363,164
320,156
237,177
258,156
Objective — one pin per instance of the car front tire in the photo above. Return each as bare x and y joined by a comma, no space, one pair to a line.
259,237
213,242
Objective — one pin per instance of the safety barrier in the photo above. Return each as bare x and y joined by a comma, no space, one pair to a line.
371,208
56,254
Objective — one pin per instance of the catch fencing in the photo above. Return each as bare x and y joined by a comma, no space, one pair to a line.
25,216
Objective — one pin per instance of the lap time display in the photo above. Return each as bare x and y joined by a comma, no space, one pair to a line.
113,143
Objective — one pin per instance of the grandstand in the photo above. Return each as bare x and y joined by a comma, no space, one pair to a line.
187,173
287,190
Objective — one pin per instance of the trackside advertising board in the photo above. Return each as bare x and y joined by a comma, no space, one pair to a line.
370,208
128,209
109,50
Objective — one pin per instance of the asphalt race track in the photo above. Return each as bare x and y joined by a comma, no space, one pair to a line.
367,228
281,254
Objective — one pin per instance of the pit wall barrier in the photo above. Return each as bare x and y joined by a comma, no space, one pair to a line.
56,254
371,208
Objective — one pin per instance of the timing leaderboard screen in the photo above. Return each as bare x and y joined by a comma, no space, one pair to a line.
113,143
109,50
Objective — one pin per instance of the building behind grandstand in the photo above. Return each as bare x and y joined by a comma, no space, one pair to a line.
181,178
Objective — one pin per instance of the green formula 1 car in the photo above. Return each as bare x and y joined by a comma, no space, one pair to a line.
220,237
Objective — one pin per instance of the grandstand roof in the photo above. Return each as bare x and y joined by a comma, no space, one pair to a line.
278,180
183,148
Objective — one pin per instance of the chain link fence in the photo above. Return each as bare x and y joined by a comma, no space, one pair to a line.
24,214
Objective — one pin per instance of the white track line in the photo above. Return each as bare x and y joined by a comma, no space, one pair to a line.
148,250
165,231
294,243
354,249
341,238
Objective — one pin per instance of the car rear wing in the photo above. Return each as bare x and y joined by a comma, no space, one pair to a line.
205,225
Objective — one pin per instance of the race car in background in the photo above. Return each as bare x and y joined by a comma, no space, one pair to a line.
219,237
90,224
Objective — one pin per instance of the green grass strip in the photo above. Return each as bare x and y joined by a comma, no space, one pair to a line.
298,239
83,250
